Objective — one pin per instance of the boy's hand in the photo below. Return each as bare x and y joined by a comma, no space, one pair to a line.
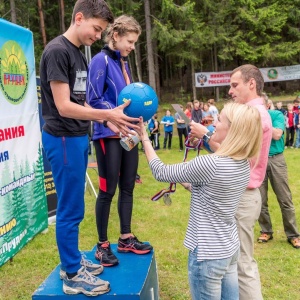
120,121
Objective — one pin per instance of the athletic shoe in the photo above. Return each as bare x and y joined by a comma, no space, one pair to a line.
94,269
105,255
132,244
86,283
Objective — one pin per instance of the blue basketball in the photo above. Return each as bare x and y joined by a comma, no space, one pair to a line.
144,101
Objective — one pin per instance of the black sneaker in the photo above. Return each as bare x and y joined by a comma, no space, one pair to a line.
134,245
105,255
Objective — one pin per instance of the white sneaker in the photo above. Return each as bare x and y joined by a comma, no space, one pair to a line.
86,283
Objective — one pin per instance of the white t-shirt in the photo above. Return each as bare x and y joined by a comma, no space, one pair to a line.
214,112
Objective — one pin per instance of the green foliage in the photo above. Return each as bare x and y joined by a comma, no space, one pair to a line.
190,35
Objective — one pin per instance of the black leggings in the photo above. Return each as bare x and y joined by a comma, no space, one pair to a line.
116,166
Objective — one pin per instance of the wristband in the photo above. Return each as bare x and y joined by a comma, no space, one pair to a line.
207,136
105,124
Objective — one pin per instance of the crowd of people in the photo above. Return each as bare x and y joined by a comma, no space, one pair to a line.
292,123
205,113
228,186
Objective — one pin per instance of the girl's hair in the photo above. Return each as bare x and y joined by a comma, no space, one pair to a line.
189,105
93,9
206,105
268,102
244,138
122,25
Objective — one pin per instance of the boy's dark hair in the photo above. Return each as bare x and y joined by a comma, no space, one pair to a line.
93,9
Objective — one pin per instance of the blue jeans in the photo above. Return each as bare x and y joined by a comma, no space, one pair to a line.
297,141
213,279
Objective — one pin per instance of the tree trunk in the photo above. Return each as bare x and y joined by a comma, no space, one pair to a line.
157,73
151,69
217,95
137,56
13,11
193,80
61,6
42,22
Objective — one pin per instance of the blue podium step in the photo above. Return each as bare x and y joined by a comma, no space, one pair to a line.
135,278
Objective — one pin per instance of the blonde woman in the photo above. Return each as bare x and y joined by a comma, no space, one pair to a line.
217,182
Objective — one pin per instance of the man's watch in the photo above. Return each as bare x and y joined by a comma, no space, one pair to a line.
207,136
105,124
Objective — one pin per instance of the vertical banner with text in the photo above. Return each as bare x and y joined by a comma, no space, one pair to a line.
23,205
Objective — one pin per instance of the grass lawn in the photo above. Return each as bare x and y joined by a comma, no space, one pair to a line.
164,226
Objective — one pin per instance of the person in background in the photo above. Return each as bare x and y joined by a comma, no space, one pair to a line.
188,110
213,109
289,126
279,107
63,70
297,127
150,125
108,74
216,181
269,103
246,87
201,105
168,122
196,112
154,132
181,129
296,105
297,122
207,117
278,176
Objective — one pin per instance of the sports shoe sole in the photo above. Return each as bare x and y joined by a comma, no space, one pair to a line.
104,264
70,291
126,250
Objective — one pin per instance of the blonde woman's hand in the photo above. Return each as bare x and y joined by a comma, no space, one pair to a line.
142,129
197,130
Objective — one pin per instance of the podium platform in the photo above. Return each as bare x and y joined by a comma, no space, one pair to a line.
135,278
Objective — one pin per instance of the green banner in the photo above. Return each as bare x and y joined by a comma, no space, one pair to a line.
23,205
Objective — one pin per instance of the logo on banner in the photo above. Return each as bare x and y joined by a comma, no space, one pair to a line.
14,72
272,74
201,79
